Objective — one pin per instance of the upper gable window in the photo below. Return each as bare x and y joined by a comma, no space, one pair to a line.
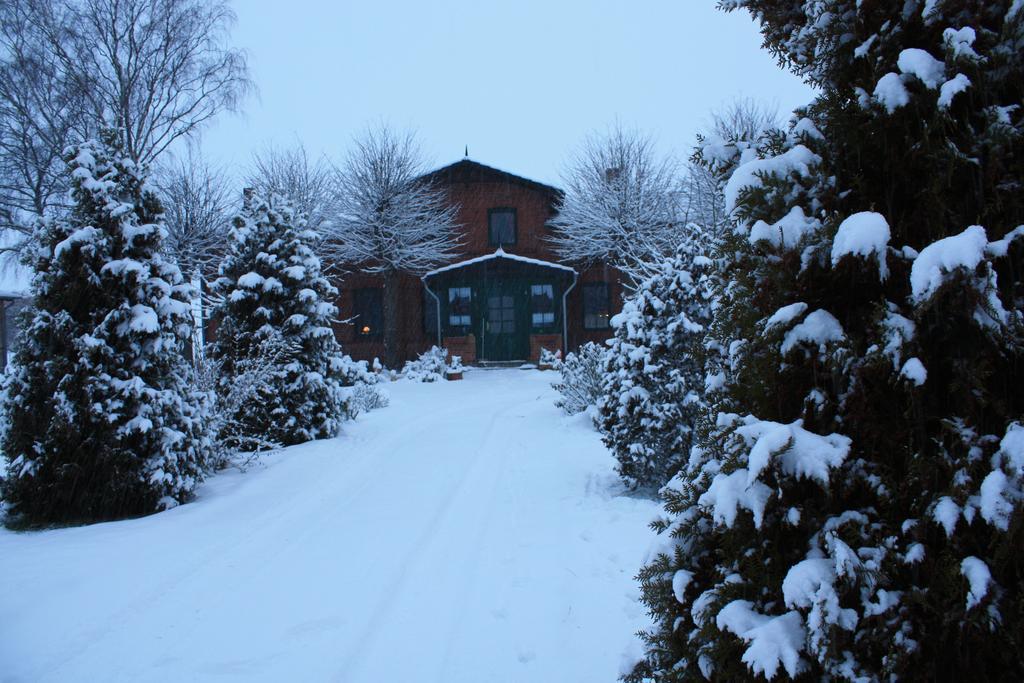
501,226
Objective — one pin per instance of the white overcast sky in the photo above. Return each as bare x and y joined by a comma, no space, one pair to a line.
521,83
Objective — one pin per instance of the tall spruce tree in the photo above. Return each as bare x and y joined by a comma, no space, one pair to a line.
854,505
100,421
274,324
654,375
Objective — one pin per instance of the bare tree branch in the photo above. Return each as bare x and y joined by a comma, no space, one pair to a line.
620,204
198,200
307,184
155,69
389,218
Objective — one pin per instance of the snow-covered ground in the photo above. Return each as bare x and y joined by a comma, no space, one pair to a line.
468,532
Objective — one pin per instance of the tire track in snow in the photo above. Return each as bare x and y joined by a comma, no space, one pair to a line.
439,531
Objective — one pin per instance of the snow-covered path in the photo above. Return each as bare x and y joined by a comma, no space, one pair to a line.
468,532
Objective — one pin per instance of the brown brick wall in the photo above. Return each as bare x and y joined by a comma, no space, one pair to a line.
463,347
551,342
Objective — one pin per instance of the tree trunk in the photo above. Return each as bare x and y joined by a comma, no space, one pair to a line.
392,343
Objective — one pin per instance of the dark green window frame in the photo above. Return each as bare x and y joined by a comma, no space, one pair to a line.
491,225
597,312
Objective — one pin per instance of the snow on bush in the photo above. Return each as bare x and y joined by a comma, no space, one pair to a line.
944,256
818,329
654,372
922,65
787,232
275,315
864,234
891,93
582,379
430,366
750,176
550,359
852,502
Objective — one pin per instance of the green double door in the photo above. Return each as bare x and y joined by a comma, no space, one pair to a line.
506,331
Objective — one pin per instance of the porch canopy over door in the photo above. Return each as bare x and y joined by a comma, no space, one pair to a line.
501,299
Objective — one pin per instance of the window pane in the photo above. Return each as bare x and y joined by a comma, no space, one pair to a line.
502,226
542,305
596,309
460,301
367,309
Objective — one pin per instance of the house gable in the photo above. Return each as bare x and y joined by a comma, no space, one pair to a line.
485,194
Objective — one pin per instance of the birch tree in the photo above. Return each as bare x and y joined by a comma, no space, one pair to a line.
156,70
392,221
620,205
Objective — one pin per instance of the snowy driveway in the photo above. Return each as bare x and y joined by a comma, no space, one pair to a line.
468,532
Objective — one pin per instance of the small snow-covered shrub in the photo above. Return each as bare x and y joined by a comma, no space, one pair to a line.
582,379
431,366
355,372
366,397
550,359
455,367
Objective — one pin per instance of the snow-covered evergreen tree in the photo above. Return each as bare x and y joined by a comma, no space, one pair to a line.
653,372
100,421
854,505
274,320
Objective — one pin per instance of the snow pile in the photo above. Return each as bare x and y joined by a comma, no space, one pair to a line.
951,89
891,92
938,259
786,232
798,159
772,641
978,577
914,371
919,63
817,329
863,234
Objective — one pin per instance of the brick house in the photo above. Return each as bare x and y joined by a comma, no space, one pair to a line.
505,298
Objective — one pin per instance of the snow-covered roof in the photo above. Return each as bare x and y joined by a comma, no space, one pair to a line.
500,253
